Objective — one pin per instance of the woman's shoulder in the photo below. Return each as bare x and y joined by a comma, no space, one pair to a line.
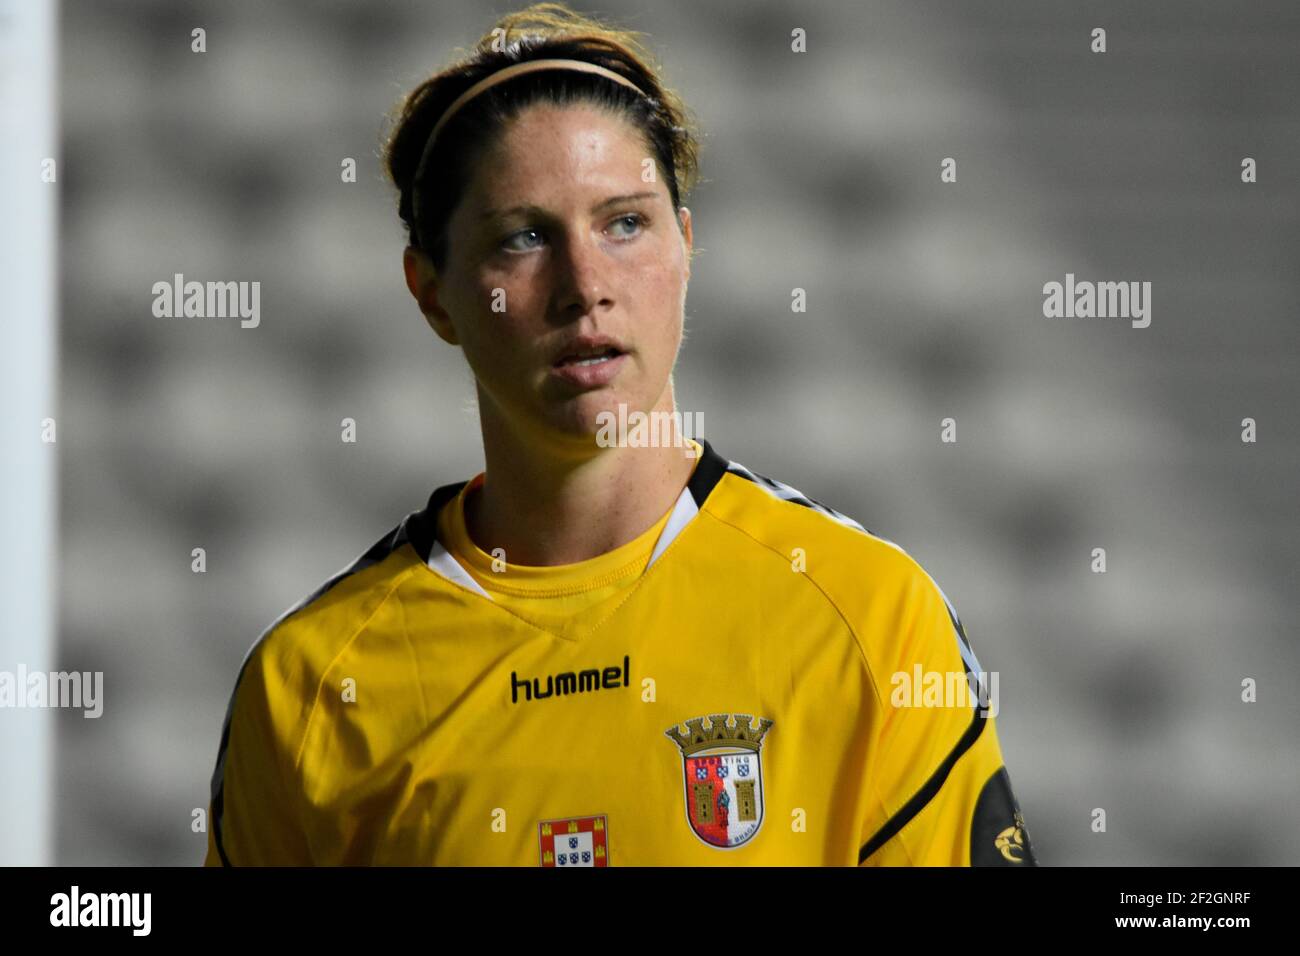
844,556
895,609
318,625
768,508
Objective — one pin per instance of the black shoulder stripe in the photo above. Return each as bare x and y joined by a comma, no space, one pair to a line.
786,493
707,473
927,791
422,526
957,626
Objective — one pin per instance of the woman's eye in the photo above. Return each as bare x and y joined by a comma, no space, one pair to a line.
514,247
518,242
633,217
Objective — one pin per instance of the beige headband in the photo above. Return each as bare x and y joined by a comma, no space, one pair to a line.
500,76
526,67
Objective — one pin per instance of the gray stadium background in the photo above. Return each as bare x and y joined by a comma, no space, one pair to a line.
1119,691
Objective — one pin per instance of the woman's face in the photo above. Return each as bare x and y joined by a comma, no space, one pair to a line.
559,246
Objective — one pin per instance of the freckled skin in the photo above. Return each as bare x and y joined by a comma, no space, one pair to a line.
580,271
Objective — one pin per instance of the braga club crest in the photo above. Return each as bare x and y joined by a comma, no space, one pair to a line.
723,776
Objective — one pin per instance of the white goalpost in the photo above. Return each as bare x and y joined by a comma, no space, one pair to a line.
29,177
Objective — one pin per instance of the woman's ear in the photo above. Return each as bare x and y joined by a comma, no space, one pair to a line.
684,217
422,281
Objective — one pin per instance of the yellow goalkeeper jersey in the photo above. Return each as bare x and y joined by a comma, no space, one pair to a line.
755,680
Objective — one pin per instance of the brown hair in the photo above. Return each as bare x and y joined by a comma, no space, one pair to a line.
541,31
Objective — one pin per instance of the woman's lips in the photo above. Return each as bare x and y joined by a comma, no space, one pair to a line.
593,375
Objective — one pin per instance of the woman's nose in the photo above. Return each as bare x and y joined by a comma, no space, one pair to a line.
579,274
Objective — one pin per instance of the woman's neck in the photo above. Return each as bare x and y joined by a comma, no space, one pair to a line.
559,505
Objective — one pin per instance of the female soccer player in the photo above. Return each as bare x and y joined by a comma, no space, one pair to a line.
614,646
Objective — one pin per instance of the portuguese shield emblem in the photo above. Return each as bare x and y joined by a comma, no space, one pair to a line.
723,777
